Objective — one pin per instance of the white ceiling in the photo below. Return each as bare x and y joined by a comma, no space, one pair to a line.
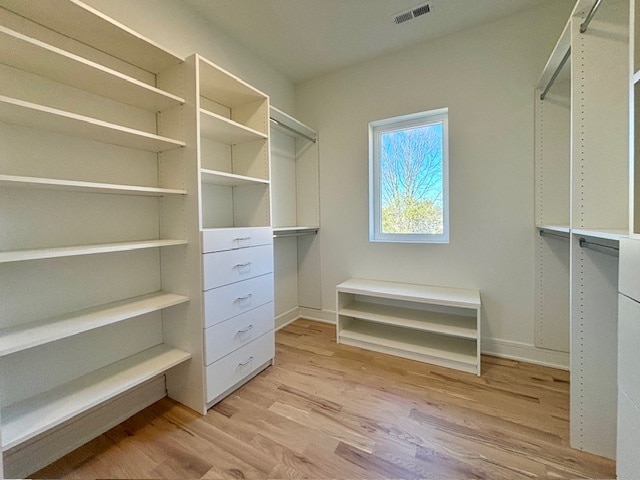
306,38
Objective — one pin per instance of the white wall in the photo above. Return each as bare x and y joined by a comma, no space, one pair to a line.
177,27
486,76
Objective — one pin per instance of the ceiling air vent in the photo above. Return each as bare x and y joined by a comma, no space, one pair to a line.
414,12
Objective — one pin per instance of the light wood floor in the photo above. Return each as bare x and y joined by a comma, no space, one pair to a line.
331,411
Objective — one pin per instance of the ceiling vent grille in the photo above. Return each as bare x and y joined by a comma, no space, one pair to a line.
414,12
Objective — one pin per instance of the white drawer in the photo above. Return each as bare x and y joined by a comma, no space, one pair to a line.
628,351
239,365
629,276
220,239
223,268
225,337
231,300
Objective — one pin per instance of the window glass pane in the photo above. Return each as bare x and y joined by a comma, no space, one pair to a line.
411,180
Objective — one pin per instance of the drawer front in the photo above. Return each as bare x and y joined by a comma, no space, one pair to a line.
223,268
629,278
237,366
628,351
225,302
220,239
225,337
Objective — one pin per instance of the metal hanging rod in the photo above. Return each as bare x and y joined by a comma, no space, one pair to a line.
544,233
598,247
592,12
555,74
292,130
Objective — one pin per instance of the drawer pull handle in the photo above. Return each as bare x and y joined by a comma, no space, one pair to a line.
242,265
241,239
245,297
246,329
246,362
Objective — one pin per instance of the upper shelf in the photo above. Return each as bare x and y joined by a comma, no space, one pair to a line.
221,129
555,228
214,177
77,20
32,115
225,88
291,125
604,233
85,187
75,250
29,54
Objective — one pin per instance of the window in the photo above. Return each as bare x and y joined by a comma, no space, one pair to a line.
408,178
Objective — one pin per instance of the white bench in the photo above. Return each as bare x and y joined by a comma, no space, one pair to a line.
435,325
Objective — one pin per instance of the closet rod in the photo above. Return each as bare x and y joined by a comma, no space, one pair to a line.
592,12
292,130
555,74
598,247
544,233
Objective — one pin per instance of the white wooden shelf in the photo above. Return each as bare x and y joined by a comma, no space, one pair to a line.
214,177
440,350
294,231
454,297
605,234
636,77
75,250
422,320
555,228
221,129
225,88
33,416
430,324
25,336
77,20
29,54
85,187
32,115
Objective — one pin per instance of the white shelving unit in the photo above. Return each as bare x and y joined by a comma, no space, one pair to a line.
429,324
582,210
296,217
628,432
97,185
231,135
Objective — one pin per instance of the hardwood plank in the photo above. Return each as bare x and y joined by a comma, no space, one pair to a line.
331,411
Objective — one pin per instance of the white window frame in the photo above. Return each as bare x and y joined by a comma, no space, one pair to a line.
378,127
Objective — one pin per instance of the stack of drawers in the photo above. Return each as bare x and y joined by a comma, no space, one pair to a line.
238,306
628,460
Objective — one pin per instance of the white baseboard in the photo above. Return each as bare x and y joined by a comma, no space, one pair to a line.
29,457
286,318
525,353
499,348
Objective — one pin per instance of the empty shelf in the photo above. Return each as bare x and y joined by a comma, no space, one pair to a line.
225,88
455,297
29,54
75,250
21,337
86,187
215,177
294,231
423,320
555,228
604,233
74,19
410,343
221,129
32,115
26,419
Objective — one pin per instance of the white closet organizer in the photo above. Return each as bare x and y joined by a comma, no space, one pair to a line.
94,306
296,217
232,139
582,197
628,438
430,324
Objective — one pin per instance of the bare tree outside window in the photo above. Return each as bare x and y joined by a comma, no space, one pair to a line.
408,178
